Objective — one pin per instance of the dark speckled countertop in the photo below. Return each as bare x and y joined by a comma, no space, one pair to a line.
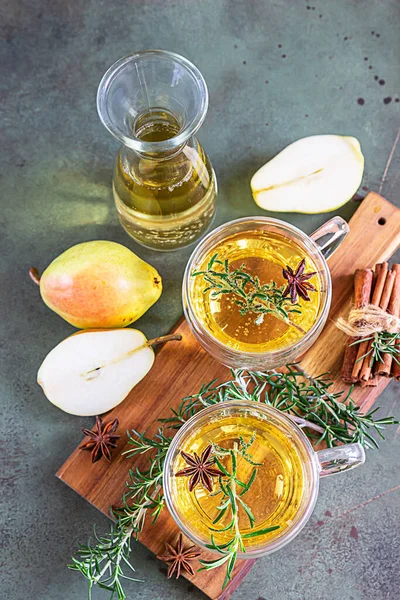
277,70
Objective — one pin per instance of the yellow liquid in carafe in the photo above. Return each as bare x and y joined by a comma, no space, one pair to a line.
164,201
264,254
275,495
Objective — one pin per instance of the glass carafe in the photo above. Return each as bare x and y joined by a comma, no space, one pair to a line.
164,187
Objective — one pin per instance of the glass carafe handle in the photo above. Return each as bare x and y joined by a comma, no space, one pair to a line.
330,235
340,458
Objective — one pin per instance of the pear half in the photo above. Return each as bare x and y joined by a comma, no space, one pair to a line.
313,175
90,372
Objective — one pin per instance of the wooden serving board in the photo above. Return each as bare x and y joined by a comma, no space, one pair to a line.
180,370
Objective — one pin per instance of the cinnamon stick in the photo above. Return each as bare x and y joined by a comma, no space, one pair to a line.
384,367
383,304
381,270
362,293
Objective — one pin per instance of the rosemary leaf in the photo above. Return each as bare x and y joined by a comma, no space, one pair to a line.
253,534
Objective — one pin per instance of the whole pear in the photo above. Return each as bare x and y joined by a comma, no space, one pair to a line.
100,284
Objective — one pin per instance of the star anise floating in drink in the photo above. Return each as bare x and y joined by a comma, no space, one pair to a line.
179,557
200,470
298,284
102,439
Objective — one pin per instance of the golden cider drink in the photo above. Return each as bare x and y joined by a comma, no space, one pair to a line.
274,496
262,254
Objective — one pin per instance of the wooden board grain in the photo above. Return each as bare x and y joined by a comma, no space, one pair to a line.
180,369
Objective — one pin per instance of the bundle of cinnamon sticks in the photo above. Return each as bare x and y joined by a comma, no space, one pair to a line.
379,287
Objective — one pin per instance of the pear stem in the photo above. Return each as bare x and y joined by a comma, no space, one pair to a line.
158,340
34,275
164,338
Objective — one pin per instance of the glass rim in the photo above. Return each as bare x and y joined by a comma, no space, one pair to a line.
190,313
132,141
276,544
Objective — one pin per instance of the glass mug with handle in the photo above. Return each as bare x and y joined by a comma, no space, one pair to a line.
283,492
262,247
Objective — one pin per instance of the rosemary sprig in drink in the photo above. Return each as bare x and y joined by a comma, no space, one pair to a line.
382,343
232,490
250,294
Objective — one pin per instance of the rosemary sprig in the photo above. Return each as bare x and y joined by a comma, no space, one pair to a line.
102,563
334,418
232,490
250,295
141,483
382,343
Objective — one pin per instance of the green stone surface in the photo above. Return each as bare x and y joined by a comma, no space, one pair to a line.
276,71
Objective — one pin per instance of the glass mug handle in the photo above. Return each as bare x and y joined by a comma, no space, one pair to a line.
340,458
330,235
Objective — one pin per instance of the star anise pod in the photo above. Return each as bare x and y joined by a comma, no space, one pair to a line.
179,557
102,439
200,469
298,283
